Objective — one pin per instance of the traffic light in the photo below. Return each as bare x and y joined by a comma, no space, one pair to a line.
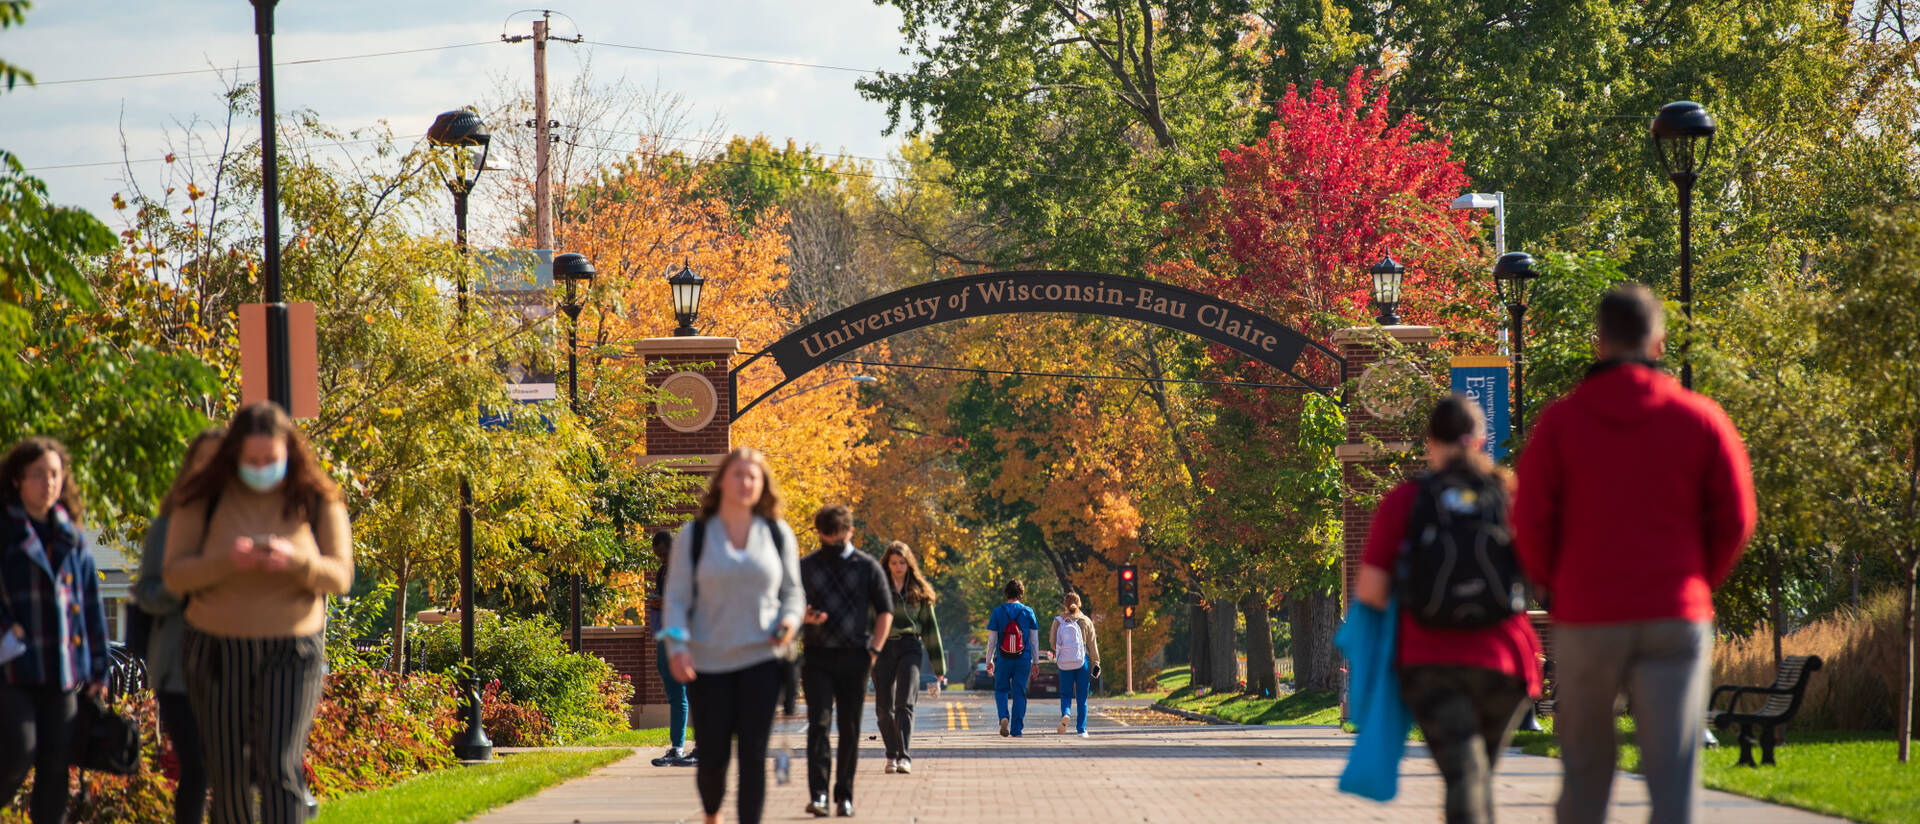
1126,614
1129,585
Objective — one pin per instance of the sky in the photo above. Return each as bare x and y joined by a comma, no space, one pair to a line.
60,124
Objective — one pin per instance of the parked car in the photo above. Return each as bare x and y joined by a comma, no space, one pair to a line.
980,679
1046,677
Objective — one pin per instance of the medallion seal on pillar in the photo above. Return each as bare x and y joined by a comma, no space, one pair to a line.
693,403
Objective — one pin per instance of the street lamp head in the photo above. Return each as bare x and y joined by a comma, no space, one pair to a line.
1387,277
863,378
1510,275
573,266
1683,137
1475,200
462,129
686,285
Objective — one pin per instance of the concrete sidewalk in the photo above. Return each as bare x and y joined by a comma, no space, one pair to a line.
1210,774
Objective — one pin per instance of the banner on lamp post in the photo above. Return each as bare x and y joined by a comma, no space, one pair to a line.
1484,378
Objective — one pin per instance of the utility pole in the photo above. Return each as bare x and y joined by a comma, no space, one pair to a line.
543,193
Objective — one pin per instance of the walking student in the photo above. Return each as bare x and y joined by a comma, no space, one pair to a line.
1012,633
166,667
896,673
732,600
53,636
1076,651
677,754
849,609
1466,668
257,540
1635,501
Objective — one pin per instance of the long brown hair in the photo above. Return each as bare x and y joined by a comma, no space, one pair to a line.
14,466
306,486
1456,419
770,504
180,481
917,590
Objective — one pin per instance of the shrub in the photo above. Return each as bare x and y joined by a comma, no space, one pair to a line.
534,666
1859,683
374,728
510,724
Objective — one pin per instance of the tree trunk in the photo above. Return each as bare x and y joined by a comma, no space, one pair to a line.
398,661
1776,612
1260,678
1199,649
1226,665
1316,663
1906,672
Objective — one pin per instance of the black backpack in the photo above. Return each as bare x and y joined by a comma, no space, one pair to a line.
1457,569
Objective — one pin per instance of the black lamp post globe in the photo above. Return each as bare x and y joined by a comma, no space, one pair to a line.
686,286
1682,135
1510,275
1388,276
572,268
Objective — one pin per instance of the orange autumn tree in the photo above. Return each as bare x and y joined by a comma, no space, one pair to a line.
646,216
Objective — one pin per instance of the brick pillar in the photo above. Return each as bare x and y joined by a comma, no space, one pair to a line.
698,426
1363,348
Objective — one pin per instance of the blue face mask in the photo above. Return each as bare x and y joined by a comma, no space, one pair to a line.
263,478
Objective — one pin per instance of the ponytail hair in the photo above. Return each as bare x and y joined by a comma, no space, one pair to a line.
1457,420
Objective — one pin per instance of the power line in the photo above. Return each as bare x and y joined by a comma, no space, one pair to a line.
172,158
307,61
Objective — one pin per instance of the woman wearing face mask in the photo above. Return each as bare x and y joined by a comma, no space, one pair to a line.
165,671
257,541
53,636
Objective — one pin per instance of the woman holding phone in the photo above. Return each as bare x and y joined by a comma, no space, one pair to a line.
258,539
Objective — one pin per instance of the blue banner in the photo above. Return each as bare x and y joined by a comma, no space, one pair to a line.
1484,379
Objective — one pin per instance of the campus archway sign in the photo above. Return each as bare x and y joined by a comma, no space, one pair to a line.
1087,293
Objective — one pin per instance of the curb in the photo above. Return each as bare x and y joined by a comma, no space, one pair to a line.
1195,716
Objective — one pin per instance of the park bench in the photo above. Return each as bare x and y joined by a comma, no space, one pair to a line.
1783,701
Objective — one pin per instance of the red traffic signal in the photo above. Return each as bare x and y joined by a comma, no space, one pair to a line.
1126,573
1129,585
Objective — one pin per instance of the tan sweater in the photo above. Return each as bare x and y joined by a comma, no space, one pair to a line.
253,603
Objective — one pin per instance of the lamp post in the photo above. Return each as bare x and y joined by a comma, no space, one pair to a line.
1510,275
1387,277
1683,137
279,349
685,286
461,129
573,268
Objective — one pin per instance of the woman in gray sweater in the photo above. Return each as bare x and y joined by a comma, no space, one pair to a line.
733,600
166,672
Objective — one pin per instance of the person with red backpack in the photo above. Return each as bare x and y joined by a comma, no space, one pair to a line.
1012,631
1467,655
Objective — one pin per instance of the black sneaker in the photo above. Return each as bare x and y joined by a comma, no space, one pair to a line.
819,807
691,759
672,758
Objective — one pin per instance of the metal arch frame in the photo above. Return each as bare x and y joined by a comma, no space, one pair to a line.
893,305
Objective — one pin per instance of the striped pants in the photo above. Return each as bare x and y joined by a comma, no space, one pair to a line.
254,699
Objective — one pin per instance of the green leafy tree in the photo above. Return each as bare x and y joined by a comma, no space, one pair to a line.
14,13
1872,333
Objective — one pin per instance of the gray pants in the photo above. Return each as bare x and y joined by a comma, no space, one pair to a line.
1663,665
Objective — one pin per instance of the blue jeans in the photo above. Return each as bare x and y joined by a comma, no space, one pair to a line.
1010,680
1074,684
676,698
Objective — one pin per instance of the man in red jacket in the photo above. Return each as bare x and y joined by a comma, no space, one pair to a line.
1635,500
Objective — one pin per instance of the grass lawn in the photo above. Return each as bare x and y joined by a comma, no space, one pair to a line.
651,737
1848,774
1299,708
458,793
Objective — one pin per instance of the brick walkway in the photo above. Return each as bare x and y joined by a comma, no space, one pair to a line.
1138,774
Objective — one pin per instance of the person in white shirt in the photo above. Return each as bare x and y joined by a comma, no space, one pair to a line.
1076,650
